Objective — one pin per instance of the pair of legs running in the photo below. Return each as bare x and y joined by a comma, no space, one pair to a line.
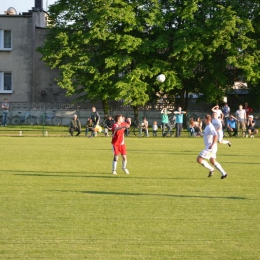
211,155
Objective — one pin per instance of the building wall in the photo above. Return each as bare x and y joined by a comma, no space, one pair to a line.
32,81
18,61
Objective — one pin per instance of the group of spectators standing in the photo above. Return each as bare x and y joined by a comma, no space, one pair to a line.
242,119
93,122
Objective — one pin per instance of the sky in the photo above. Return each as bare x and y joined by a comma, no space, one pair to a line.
22,5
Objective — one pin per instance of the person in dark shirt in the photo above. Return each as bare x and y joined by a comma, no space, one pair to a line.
108,125
75,126
95,117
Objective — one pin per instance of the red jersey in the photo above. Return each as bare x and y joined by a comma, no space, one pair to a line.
118,135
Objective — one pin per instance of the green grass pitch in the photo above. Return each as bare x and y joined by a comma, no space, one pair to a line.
59,200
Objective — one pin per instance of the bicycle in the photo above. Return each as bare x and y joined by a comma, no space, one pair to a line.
134,127
52,119
27,118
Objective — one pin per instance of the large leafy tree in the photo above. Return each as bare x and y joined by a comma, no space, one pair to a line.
104,49
114,49
213,45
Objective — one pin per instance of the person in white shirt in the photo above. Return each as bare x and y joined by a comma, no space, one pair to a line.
216,122
144,127
241,119
155,128
210,151
216,109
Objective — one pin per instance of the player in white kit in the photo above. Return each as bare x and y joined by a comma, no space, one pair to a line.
210,151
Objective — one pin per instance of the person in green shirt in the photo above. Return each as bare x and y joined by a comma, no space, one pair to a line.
165,122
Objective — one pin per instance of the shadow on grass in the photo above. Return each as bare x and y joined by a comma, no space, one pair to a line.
93,175
149,194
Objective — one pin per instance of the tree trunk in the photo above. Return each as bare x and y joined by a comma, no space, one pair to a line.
105,108
135,108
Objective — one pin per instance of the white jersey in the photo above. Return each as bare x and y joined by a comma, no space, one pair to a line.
218,112
241,115
209,133
216,123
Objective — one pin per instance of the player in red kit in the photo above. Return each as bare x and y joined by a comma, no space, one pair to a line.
118,142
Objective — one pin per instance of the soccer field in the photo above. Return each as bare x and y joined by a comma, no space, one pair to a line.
59,200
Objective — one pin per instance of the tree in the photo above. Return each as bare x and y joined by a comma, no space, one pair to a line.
103,49
114,49
213,46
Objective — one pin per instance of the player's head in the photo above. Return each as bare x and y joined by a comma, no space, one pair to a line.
119,118
93,109
207,119
214,114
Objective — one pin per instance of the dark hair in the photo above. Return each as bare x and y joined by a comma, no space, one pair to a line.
117,116
208,117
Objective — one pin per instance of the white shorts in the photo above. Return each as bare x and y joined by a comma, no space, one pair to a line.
220,135
209,153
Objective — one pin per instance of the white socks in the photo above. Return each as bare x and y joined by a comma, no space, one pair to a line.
114,165
124,162
219,167
225,142
207,165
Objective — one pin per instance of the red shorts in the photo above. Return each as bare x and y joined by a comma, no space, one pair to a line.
119,149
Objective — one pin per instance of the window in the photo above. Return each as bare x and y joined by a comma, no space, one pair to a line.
5,40
5,82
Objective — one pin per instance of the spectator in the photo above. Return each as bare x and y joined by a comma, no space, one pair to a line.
199,124
108,125
251,126
216,109
193,127
5,107
95,117
90,127
241,119
75,126
144,127
165,121
231,126
179,121
226,112
248,110
155,128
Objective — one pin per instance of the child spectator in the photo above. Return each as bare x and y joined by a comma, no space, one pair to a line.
155,128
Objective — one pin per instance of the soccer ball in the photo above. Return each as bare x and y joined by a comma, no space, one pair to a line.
161,78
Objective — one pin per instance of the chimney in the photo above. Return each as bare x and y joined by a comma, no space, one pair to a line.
38,4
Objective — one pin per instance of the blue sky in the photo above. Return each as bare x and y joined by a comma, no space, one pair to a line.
21,5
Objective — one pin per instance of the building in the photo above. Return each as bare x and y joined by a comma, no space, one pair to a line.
23,76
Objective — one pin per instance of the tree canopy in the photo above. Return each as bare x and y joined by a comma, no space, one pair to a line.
114,49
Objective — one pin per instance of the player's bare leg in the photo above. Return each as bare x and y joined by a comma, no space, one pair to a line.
205,164
124,163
